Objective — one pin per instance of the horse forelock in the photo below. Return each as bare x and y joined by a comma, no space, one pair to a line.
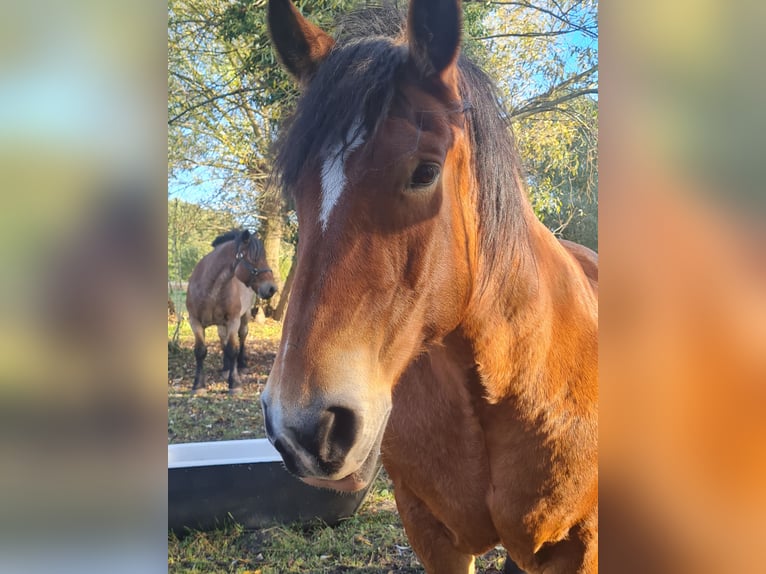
354,90
346,101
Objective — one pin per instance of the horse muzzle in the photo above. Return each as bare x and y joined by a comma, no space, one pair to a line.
266,290
334,447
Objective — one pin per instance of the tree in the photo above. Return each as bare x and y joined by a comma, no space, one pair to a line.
228,99
191,229
562,166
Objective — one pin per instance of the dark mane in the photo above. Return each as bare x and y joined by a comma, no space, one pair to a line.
254,249
228,236
497,164
358,80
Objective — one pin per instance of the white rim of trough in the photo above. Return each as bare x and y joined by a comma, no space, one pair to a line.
219,453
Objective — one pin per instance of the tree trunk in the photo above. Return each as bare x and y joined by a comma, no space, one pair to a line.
273,230
281,307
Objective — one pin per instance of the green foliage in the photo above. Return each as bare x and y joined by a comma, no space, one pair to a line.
560,152
227,94
191,229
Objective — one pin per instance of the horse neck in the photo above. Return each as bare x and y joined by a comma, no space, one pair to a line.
533,326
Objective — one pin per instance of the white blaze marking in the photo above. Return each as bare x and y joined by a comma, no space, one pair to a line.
334,172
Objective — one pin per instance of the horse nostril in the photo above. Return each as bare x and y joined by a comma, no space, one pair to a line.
336,435
331,438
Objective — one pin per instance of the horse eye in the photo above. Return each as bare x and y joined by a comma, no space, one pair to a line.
424,175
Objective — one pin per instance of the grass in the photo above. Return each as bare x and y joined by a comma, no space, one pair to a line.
370,542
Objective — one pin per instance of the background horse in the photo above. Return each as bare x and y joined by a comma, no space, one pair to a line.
433,317
221,292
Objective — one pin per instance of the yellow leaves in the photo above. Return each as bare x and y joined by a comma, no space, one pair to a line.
361,539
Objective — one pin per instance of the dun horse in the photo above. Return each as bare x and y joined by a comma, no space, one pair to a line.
221,292
432,318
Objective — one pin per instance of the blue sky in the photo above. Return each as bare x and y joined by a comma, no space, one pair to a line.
195,186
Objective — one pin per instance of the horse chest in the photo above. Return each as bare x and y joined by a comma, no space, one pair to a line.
434,446
246,299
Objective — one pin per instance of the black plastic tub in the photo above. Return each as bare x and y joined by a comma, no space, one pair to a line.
210,483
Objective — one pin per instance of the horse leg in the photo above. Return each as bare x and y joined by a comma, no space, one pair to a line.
230,351
243,328
429,537
223,335
200,352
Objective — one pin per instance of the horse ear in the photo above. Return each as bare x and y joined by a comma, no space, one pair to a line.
246,236
300,44
433,30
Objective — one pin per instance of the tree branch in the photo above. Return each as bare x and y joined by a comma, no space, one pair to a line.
206,101
527,34
568,82
540,104
561,17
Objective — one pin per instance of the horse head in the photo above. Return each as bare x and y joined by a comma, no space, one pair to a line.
378,163
251,267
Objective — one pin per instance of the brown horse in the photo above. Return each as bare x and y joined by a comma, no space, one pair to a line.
432,317
221,292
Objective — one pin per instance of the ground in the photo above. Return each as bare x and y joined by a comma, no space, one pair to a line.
218,416
370,542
